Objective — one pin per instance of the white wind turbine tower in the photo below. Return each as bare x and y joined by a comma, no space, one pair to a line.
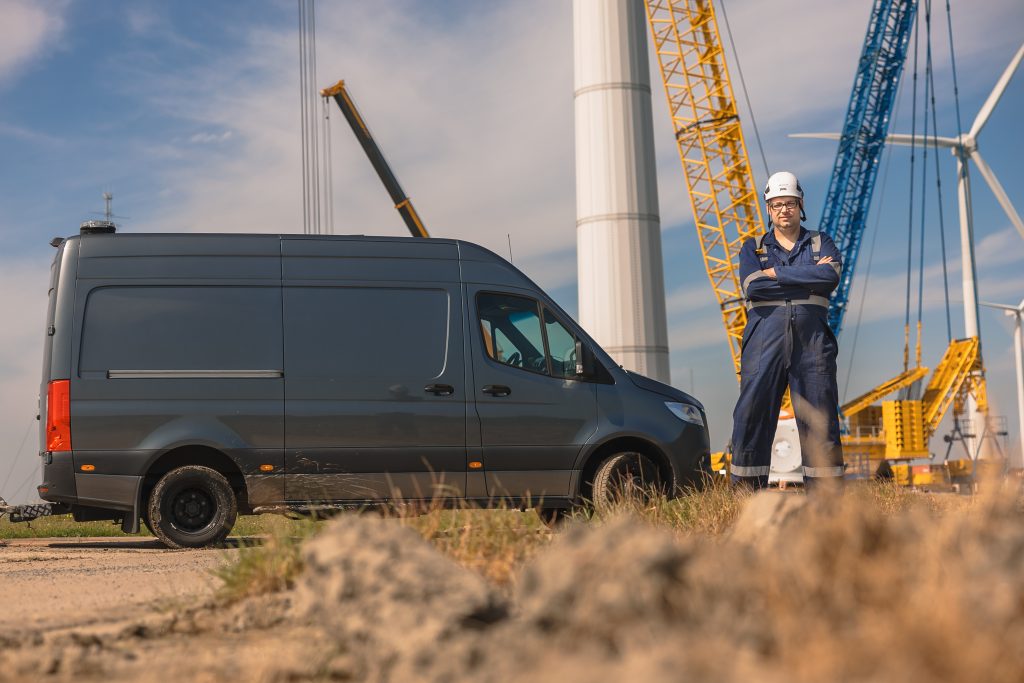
1018,355
964,147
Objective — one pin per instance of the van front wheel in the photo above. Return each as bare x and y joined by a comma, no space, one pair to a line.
192,507
624,478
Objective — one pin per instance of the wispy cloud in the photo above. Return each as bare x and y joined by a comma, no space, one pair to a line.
22,133
27,30
210,138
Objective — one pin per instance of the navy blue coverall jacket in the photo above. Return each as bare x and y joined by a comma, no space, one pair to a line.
787,341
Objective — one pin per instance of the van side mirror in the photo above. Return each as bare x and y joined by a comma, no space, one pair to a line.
584,360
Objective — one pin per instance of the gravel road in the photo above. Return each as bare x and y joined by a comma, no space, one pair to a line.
51,583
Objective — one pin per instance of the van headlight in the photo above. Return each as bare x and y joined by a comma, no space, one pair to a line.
686,412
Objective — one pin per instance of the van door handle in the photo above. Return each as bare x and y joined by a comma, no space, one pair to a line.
439,389
496,390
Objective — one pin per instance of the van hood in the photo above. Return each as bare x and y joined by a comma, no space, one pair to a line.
670,392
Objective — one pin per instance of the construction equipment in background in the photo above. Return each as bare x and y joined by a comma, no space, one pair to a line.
723,195
868,114
376,157
726,206
901,429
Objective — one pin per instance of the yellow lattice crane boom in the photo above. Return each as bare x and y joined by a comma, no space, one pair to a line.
708,136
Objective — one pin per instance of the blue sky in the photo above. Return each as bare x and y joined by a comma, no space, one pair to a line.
188,113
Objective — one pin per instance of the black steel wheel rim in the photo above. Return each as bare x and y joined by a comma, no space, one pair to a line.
638,475
192,509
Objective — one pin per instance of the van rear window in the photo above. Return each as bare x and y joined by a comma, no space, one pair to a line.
181,328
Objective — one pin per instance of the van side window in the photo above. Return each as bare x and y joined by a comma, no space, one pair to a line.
512,331
181,328
366,332
561,345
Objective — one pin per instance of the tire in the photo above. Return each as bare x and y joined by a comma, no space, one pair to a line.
192,507
146,522
624,477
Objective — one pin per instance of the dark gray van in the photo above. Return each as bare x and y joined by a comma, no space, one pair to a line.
192,377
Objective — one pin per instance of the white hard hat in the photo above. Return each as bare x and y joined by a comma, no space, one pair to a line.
783,184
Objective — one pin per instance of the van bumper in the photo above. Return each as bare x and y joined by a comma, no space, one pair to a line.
90,493
690,456
109,491
58,485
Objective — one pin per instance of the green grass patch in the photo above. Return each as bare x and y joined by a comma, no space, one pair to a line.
63,526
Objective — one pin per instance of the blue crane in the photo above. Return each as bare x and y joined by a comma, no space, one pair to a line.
863,137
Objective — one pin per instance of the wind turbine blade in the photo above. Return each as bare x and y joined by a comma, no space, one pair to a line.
919,140
1001,306
820,136
997,92
998,191
895,139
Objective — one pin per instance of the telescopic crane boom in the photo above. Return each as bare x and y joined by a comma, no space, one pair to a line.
380,165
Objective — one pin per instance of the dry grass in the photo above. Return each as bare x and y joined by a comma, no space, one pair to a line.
709,511
494,543
268,565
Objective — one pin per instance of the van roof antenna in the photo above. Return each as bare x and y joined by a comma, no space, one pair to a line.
509,236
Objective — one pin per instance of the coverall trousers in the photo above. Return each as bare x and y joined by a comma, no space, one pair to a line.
787,344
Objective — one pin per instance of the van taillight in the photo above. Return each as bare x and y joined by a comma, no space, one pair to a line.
58,415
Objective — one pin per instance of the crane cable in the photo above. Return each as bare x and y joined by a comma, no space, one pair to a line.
938,187
312,206
17,454
302,115
924,180
328,166
743,86
952,59
871,254
910,218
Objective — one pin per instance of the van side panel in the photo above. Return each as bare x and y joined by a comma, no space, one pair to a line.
375,395
177,343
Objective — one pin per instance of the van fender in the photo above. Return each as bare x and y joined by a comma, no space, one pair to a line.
181,432
192,431
595,444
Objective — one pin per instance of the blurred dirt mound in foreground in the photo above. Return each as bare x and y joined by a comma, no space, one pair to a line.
801,591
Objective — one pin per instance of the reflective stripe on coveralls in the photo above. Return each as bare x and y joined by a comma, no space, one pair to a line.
823,471
741,471
765,470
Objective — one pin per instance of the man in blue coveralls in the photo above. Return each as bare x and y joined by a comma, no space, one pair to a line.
787,276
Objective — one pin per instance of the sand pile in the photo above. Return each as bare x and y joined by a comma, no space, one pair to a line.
799,592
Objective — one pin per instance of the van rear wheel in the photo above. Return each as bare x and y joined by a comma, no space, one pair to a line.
622,478
192,507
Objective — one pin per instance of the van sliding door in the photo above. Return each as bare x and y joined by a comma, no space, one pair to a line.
375,391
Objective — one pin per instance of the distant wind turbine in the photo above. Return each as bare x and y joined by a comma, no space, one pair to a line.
1016,312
